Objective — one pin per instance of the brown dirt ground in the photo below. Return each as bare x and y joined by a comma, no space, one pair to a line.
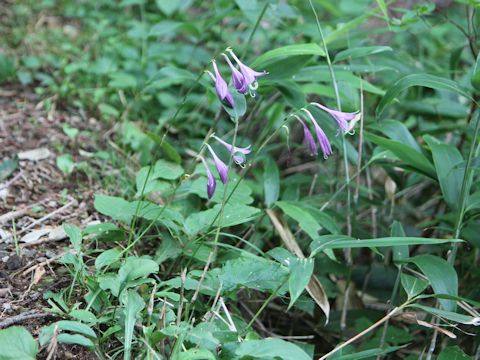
36,196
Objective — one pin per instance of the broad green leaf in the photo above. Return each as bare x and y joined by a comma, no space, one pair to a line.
305,220
240,107
196,354
441,275
397,131
412,285
271,348
135,268
107,258
133,305
65,325
7,167
271,182
446,158
286,51
168,7
66,163
301,271
16,343
84,316
359,52
122,80
453,353
425,80
123,210
233,214
75,235
399,252
405,153
252,272
75,339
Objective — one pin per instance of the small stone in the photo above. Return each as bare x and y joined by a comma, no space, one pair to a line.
14,262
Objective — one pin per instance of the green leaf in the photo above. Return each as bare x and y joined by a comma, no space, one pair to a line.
168,7
65,325
399,252
234,214
16,343
66,163
122,81
341,242
359,52
75,339
135,268
7,167
271,348
301,271
133,305
305,220
75,235
397,131
271,182
425,80
453,353
252,272
441,275
475,80
7,68
84,316
286,51
412,285
405,153
450,176
449,315
107,258
368,354
196,354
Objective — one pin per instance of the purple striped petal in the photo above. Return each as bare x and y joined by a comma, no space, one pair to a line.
308,138
234,149
211,182
221,87
222,169
238,79
342,118
321,137
249,74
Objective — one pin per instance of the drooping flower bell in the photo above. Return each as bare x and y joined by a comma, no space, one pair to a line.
238,79
345,120
308,137
221,87
238,159
248,73
222,168
321,137
211,182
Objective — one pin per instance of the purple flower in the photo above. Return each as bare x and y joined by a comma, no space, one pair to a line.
211,182
222,169
308,137
221,87
238,79
343,118
248,73
321,137
239,159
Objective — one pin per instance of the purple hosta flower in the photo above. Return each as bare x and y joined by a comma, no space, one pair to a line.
221,87
238,79
222,169
211,182
239,159
321,137
248,73
308,137
345,120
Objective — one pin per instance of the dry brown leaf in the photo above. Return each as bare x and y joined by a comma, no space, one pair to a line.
314,287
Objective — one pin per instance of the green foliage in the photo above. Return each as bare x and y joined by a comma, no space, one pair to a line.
17,343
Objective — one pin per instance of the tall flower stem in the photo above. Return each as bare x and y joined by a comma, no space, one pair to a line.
348,251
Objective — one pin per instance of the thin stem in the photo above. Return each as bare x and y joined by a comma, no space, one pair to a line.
254,30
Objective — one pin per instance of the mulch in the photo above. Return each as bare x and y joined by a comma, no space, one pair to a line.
36,199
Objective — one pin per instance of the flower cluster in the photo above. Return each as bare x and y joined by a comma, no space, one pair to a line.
243,80
238,154
345,121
